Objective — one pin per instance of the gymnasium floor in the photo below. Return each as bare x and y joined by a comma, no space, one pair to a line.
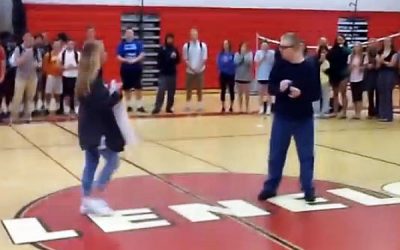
204,159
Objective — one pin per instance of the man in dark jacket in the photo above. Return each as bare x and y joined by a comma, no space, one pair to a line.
168,59
296,85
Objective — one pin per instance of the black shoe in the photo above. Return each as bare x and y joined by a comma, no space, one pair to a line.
231,110
141,110
223,110
155,112
35,113
265,195
130,109
310,197
46,112
169,111
60,112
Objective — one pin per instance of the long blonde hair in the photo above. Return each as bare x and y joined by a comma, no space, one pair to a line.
88,69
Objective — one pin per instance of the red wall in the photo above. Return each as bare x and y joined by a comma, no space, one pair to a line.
214,25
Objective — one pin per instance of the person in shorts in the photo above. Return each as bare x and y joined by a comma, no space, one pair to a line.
195,56
69,60
131,55
264,59
53,70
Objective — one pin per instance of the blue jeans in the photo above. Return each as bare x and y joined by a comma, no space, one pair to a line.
92,157
282,131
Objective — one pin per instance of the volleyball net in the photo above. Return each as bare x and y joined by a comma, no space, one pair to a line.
260,38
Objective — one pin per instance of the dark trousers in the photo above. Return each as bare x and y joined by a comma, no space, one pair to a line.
167,83
7,87
227,82
282,131
371,78
386,81
40,89
68,90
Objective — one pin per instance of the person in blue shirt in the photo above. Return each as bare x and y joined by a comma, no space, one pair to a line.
295,83
131,55
226,67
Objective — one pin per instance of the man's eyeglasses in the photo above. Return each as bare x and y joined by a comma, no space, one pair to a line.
283,47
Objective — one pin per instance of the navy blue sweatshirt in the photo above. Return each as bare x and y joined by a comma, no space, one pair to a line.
305,77
166,63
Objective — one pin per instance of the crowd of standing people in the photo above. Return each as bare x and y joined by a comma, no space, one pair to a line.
36,71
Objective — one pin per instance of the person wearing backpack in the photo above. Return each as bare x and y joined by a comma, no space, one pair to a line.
39,98
26,61
195,56
69,60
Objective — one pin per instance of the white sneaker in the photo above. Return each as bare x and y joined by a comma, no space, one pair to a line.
261,112
95,206
269,107
187,107
199,107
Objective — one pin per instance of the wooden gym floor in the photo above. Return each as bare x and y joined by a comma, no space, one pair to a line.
41,158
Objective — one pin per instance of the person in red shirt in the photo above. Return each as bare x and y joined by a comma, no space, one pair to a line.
2,64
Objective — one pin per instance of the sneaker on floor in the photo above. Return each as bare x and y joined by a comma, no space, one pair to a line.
155,112
95,206
265,195
141,110
200,108
309,198
35,113
269,110
129,109
169,111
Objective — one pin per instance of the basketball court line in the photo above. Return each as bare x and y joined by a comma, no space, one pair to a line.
358,154
46,154
159,143
264,134
193,138
177,187
188,192
159,177
190,155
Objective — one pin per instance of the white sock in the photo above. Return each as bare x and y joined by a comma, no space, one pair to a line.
67,109
139,104
129,103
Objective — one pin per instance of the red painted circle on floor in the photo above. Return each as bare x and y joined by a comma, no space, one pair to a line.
355,227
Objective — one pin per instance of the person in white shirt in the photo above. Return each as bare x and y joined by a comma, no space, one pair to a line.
356,67
264,59
69,61
195,56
